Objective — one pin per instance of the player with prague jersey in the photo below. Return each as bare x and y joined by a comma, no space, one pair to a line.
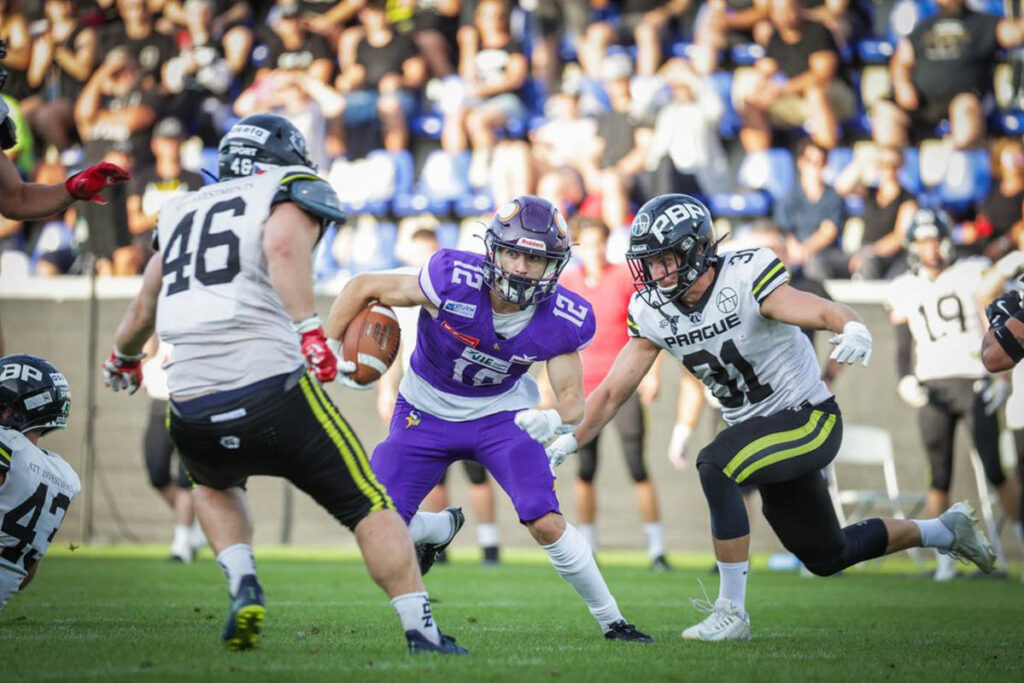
485,320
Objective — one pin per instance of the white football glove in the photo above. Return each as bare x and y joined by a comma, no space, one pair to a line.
560,449
994,393
852,345
345,368
912,392
677,446
541,425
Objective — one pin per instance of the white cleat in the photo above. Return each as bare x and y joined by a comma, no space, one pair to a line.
725,621
945,568
969,542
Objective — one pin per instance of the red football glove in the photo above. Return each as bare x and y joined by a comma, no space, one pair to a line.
319,357
88,183
123,372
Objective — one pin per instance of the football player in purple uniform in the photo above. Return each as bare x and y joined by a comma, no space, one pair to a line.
468,396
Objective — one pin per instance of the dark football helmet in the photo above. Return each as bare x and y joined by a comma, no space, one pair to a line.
33,394
676,222
927,224
258,141
529,225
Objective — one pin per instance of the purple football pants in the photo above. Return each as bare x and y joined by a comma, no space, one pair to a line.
420,447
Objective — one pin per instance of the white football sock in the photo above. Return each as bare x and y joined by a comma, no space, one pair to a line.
655,535
934,534
413,610
181,536
945,565
236,561
589,532
487,535
733,582
431,527
573,560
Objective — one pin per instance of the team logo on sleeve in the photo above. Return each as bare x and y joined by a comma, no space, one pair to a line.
460,308
727,300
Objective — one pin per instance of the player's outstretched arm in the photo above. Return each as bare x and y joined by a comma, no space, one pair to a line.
390,289
995,352
630,366
789,305
289,236
137,325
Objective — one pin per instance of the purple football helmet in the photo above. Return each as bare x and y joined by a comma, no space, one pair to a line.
529,225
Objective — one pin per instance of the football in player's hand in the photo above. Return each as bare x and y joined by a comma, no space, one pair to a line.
371,342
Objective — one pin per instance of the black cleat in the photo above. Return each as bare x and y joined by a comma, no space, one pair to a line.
418,644
427,553
242,629
491,557
660,564
623,630
441,558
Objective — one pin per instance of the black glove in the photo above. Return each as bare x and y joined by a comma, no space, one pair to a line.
1004,307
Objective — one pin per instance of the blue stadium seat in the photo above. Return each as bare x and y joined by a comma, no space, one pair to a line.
730,123
967,181
746,54
432,194
427,125
838,159
474,204
874,51
910,172
682,48
448,234
374,248
747,204
854,205
772,171
325,266
208,163
1012,122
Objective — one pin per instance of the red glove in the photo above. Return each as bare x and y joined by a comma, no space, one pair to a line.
123,372
319,357
88,183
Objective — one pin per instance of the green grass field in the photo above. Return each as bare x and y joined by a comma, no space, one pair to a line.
131,616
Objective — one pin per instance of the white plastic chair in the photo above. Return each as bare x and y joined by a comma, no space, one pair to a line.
868,446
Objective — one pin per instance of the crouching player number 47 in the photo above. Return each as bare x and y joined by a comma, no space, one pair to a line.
734,322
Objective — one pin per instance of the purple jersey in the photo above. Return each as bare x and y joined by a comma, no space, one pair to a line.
459,354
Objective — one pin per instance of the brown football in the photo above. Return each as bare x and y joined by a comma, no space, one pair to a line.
371,342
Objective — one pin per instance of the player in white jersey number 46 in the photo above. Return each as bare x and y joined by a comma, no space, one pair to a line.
36,486
733,321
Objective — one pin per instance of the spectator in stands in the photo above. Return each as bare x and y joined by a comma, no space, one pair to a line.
112,107
493,69
385,80
685,153
138,36
944,68
202,74
560,149
436,25
22,154
108,237
647,23
621,146
722,23
63,57
557,21
54,252
14,30
153,185
228,22
1000,214
811,214
796,83
888,208
290,47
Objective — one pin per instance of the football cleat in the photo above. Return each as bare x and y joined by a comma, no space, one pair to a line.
623,630
725,621
660,564
427,553
491,556
418,644
969,542
242,629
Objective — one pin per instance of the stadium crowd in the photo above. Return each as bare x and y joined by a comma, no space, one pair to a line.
831,119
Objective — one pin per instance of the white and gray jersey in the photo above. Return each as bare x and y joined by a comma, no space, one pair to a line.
217,305
943,320
34,499
758,366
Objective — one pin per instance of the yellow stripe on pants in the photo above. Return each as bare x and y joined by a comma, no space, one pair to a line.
811,445
355,460
753,448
